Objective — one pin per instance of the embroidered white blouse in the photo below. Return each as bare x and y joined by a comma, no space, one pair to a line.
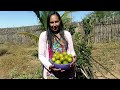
43,53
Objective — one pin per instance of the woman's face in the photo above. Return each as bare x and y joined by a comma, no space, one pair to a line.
54,22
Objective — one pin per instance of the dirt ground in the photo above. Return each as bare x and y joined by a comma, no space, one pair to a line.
108,55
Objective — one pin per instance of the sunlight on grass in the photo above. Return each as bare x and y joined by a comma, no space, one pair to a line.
19,62
108,54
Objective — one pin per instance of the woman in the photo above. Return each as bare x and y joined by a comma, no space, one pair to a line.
55,38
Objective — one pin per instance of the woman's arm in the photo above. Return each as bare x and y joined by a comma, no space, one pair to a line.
42,50
70,43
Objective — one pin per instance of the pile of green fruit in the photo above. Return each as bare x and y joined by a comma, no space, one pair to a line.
62,58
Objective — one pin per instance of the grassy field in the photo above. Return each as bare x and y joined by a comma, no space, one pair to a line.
108,55
19,61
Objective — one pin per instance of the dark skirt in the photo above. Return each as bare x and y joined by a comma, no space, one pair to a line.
67,74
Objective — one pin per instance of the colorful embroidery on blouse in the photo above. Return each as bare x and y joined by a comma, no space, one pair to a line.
57,46
50,52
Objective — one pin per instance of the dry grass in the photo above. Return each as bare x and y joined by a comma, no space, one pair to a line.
107,54
18,62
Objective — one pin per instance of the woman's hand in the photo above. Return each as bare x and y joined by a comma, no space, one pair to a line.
53,69
73,62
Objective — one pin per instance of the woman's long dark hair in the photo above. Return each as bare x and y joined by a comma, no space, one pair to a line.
50,33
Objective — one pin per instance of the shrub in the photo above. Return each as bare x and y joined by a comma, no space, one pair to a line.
2,51
35,53
83,50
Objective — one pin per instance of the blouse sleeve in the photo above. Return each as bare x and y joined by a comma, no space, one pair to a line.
42,50
70,43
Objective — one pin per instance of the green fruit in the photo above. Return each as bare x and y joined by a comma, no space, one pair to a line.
57,57
65,62
62,59
60,55
64,53
58,62
54,55
69,60
66,57
53,59
70,55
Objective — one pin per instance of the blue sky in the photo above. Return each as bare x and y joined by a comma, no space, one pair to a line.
28,18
